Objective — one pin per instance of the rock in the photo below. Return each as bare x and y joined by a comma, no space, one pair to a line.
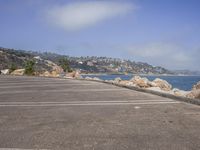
70,75
152,84
88,78
135,78
117,80
158,89
164,85
54,74
74,74
175,91
178,92
123,82
127,83
18,72
196,86
77,75
109,81
131,84
194,94
36,73
46,74
155,89
5,71
38,58
54,66
141,82
145,83
97,79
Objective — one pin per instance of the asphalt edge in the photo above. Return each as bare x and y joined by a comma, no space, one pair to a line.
166,95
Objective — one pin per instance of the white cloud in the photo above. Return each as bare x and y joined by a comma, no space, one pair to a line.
168,55
79,15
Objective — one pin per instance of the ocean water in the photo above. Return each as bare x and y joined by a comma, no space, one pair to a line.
180,82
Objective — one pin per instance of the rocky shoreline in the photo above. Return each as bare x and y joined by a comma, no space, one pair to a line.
157,85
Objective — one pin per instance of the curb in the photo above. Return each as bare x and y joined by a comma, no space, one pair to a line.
166,95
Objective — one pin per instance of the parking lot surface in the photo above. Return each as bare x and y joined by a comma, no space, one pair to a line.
52,113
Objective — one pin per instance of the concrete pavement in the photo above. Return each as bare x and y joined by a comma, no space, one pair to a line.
49,113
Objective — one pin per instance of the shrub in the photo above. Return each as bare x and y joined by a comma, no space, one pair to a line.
29,67
64,63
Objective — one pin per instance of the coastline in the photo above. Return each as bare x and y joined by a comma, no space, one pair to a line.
145,90
177,81
99,74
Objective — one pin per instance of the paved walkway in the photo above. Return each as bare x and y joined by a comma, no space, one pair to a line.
47,113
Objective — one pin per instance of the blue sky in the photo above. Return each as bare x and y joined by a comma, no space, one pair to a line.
160,32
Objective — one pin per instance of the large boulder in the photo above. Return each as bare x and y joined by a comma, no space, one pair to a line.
157,89
5,71
36,73
54,66
196,86
77,75
117,80
141,82
54,74
162,84
195,93
73,74
96,79
18,72
46,74
125,82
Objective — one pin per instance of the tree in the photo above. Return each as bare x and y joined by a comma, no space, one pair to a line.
64,63
29,67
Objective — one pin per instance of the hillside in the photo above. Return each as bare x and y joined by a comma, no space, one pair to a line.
186,72
84,64
17,58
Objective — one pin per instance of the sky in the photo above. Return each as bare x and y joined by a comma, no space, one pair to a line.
160,32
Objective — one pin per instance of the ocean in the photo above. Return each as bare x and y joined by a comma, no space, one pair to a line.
180,82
